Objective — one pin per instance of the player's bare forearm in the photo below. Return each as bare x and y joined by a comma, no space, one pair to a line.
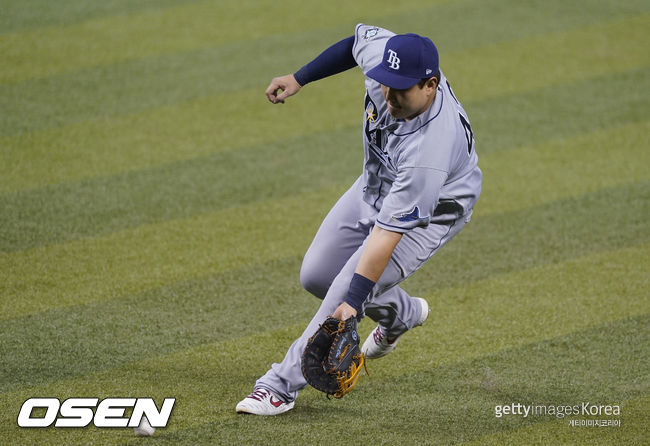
377,252
373,261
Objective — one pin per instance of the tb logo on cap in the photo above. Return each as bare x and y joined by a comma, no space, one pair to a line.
393,60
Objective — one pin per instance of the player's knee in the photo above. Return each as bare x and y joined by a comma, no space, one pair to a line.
312,281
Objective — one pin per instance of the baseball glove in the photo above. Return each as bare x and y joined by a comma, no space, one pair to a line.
332,360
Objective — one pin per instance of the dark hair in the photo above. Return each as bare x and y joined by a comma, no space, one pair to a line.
424,80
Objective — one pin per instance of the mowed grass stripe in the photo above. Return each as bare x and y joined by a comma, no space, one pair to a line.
107,40
431,426
482,316
217,183
558,112
595,365
469,24
520,302
190,27
208,380
117,329
550,59
30,14
531,237
542,173
171,134
223,180
136,259
446,404
149,256
149,84
550,15
72,341
231,121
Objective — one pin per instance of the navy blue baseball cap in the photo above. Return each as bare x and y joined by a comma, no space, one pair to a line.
407,59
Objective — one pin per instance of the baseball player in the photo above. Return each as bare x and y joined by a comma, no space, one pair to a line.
418,187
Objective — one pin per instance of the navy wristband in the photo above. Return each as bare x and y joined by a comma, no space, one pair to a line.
333,60
360,288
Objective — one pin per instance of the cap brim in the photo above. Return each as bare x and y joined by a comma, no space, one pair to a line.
390,79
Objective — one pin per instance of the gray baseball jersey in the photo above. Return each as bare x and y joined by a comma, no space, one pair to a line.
418,171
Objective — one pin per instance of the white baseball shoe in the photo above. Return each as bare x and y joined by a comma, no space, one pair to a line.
378,344
263,402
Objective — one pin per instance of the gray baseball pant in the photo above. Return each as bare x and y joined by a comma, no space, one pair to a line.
329,265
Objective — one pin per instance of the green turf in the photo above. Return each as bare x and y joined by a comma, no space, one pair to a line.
146,195
154,211
208,302
30,14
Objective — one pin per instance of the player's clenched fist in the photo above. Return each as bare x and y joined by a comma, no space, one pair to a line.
286,84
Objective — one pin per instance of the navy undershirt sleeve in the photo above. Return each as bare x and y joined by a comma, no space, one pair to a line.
333,60
360,288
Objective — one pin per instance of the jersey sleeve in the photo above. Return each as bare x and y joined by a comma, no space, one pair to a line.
412,199
333,60
369,43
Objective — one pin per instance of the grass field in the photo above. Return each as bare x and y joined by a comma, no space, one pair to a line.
154,211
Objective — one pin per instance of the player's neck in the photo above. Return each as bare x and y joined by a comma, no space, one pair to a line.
424,108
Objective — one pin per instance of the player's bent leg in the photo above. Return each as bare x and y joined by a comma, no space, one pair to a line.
314,281
395,311
284,380
380,342
341,233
